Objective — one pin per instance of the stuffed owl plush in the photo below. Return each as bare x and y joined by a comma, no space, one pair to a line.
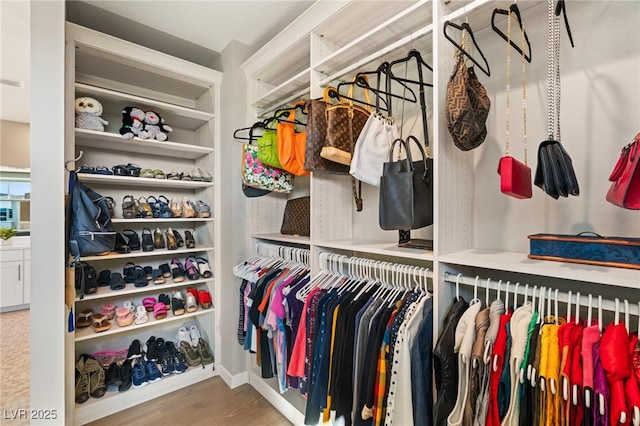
88,111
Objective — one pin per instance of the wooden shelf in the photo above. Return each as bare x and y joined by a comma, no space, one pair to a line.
118,220
141,254
376,247
111,141
174,115
107,293
140,182
520,263
87,333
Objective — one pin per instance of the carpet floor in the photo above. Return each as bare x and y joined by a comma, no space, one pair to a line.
14,364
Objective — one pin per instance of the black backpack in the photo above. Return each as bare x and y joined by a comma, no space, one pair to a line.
91,231
86,278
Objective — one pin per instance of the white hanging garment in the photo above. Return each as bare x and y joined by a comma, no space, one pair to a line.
465,335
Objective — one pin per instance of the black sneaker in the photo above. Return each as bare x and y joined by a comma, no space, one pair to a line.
113,376
166,362
125,376
134,350
151,349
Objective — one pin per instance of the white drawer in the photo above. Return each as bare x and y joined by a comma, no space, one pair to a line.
10,255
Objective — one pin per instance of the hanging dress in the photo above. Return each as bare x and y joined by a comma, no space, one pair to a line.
600,390
614,355
590,336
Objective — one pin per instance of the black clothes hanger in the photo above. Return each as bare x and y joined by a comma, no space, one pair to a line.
512,9
250,136
335,94
420,62
562,7
380,73
465,27
282,115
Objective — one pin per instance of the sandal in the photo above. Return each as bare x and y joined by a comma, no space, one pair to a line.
120,170
159,174
147,240
173,175
108,310
204,210
100,323
179,239
193,291
149,303
177,270
103,170
117,282
158,240
172,244
148,272
185,175
128,207
176,208
165,211
155,207
191,303
177,304
157,277
165,269
133,241
141,315
111,205
124,317
140,279
206,176
204,268
104,277
190,241
205,299
147,173
159,311
192,270
163,298
87,169
188,209
133,170
129,273
144,209
121,244
85,318
129,305
189,354
195,175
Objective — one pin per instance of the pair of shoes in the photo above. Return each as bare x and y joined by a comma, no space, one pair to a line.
160,207
203,351
130,170
177,303
171,360
118,377
141,315
172,242
198,174
143,208
84,318
132,239
90,379
189,354
145,372
134,274
188,208
100,323
128,207
124,317
190,336
204,210
177,270
158,240
121,245
191,267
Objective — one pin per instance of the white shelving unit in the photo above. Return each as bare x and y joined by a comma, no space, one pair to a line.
477,230
187,97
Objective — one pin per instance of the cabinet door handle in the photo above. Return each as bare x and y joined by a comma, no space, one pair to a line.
19,268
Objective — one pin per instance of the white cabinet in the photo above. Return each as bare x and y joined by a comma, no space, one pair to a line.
120,74
14,279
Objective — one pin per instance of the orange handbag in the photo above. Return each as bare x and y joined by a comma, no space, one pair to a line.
291,144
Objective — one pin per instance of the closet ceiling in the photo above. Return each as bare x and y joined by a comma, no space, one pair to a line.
196,31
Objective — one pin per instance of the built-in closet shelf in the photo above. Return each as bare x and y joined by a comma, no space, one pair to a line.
377,247
87,333
292,239
174,220
140,253
174,115
477,11
111,402
520,263
107,293
295,87
111,141
140,182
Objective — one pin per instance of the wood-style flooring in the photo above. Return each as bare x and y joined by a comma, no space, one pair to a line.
209,403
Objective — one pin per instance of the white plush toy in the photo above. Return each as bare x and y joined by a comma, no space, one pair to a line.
88,111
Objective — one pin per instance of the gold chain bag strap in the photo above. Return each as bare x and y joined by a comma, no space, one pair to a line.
467,105
515,177
554,174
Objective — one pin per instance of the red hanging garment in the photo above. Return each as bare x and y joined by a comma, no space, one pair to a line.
495,367
614,355
575,377
564,337
631,387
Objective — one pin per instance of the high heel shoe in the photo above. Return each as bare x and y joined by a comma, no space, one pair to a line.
171,240
147,240
188,209
189,240
179,239
144,209
128,207
158,240
176,208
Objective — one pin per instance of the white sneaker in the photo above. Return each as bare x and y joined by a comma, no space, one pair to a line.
195,335
181,335
141,315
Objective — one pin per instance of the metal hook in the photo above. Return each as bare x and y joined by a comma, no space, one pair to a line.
66,163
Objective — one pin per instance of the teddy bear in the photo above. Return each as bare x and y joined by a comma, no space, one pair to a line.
88,111
154,127
132,122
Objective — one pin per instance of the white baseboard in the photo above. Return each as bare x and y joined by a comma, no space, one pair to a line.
278,401
233,381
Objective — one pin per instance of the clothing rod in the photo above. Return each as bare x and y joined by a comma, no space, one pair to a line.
563,297
289,253
405,40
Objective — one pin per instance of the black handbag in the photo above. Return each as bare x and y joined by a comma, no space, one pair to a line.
296,219
406,190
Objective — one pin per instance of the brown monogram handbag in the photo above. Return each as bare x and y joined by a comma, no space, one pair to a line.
296,220
467,107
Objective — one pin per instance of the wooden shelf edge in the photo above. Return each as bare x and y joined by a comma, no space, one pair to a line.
140,253
377,247
291,239
107,293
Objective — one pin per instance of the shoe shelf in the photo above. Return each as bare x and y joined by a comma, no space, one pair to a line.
520,263
174,115
140,253
140,182
107,293
376,247
292,239
87,333
111,402
94,139
118,220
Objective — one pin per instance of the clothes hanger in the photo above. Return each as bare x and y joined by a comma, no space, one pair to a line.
250,137
515,297
465,27
362,81
541,296
420,63
335,94
458,287
516,11
562,7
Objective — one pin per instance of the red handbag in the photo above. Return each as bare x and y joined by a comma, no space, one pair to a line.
625,189
515,178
